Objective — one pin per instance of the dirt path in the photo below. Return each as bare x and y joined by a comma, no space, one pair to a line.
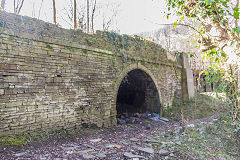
128,141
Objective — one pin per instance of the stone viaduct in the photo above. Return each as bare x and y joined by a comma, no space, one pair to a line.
52,78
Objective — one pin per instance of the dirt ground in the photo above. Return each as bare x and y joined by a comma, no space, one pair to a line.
138,140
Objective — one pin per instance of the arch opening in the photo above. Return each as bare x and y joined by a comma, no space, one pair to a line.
137,93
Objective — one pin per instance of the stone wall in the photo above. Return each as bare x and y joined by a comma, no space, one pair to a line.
53,78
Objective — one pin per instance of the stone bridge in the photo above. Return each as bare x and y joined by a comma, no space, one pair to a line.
52,78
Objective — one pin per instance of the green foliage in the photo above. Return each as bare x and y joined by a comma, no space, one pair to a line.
207,14
215,75
236,13
119,41
223,16
122,43
207,140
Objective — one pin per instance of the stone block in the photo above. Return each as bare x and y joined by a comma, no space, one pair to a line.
10,78
58,79
1,91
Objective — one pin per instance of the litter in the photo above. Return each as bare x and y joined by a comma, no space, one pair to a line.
156,117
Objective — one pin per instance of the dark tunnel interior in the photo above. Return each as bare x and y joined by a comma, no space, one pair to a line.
137,94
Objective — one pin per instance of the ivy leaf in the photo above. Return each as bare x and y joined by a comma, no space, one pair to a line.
181,18
236,9
236,30
223,54
175,24
236,13
208,1
168,15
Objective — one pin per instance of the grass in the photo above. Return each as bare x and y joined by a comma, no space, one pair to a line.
213,139
207,141
200,106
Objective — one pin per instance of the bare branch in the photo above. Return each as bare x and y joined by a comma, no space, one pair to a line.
19,9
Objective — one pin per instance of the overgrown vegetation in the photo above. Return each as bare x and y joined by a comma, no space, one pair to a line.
200,106
212,136
217,25
207,140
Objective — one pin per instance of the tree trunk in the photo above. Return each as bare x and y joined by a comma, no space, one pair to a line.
14,6
75,14
19,9
87,16
18,6
54,13
93,12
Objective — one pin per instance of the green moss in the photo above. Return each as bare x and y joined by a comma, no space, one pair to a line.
85,51
13,141
69,48
11,38
88,42
48,46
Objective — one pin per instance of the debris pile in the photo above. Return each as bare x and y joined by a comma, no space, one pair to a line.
138,118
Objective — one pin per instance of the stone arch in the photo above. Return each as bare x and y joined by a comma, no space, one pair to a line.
126,71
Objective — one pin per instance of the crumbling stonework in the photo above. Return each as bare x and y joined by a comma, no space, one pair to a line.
53,78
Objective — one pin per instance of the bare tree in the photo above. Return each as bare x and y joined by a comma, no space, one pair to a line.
93,12
54,13
3,4
75,14
83,15
107,21
81,22
87,16
18,6
39,12
33,10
